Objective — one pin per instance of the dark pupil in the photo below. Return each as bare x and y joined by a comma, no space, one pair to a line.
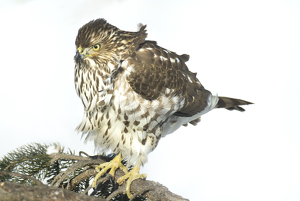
96,46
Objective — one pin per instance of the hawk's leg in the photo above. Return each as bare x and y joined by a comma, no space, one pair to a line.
131,176
113,165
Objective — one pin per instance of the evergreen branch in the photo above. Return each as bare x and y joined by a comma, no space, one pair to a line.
82,152
29,160
82,176
12,191
151,190
22,175
59,156
71,172
87,190
14,163
120,190
80,164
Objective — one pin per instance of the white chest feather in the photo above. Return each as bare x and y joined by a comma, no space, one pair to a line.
119,120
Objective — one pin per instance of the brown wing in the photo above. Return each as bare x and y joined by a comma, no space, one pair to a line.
157,69
232,103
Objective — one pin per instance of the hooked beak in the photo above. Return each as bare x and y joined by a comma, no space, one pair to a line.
79,55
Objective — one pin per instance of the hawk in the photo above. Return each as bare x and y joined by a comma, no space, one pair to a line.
135,92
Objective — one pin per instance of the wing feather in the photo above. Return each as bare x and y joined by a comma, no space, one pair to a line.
158,71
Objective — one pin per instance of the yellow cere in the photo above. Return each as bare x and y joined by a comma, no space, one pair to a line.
79,49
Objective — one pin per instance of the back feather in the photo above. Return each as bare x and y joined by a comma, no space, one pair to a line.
232,103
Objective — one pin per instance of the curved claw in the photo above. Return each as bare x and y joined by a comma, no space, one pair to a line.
113,165
131,176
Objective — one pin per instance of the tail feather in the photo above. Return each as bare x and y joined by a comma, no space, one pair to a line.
231,103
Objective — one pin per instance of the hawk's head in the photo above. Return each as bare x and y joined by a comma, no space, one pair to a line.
99,43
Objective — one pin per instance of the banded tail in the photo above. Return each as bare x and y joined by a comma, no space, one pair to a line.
231,103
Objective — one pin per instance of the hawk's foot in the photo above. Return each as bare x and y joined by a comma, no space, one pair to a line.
131,176
113,165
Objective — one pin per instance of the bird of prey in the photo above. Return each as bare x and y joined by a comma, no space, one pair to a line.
135,92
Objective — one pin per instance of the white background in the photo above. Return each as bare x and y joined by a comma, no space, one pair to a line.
241,49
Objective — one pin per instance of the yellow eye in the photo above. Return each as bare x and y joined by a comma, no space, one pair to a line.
96,47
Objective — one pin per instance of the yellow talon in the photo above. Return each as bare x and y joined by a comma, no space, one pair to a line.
113,165
131,176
